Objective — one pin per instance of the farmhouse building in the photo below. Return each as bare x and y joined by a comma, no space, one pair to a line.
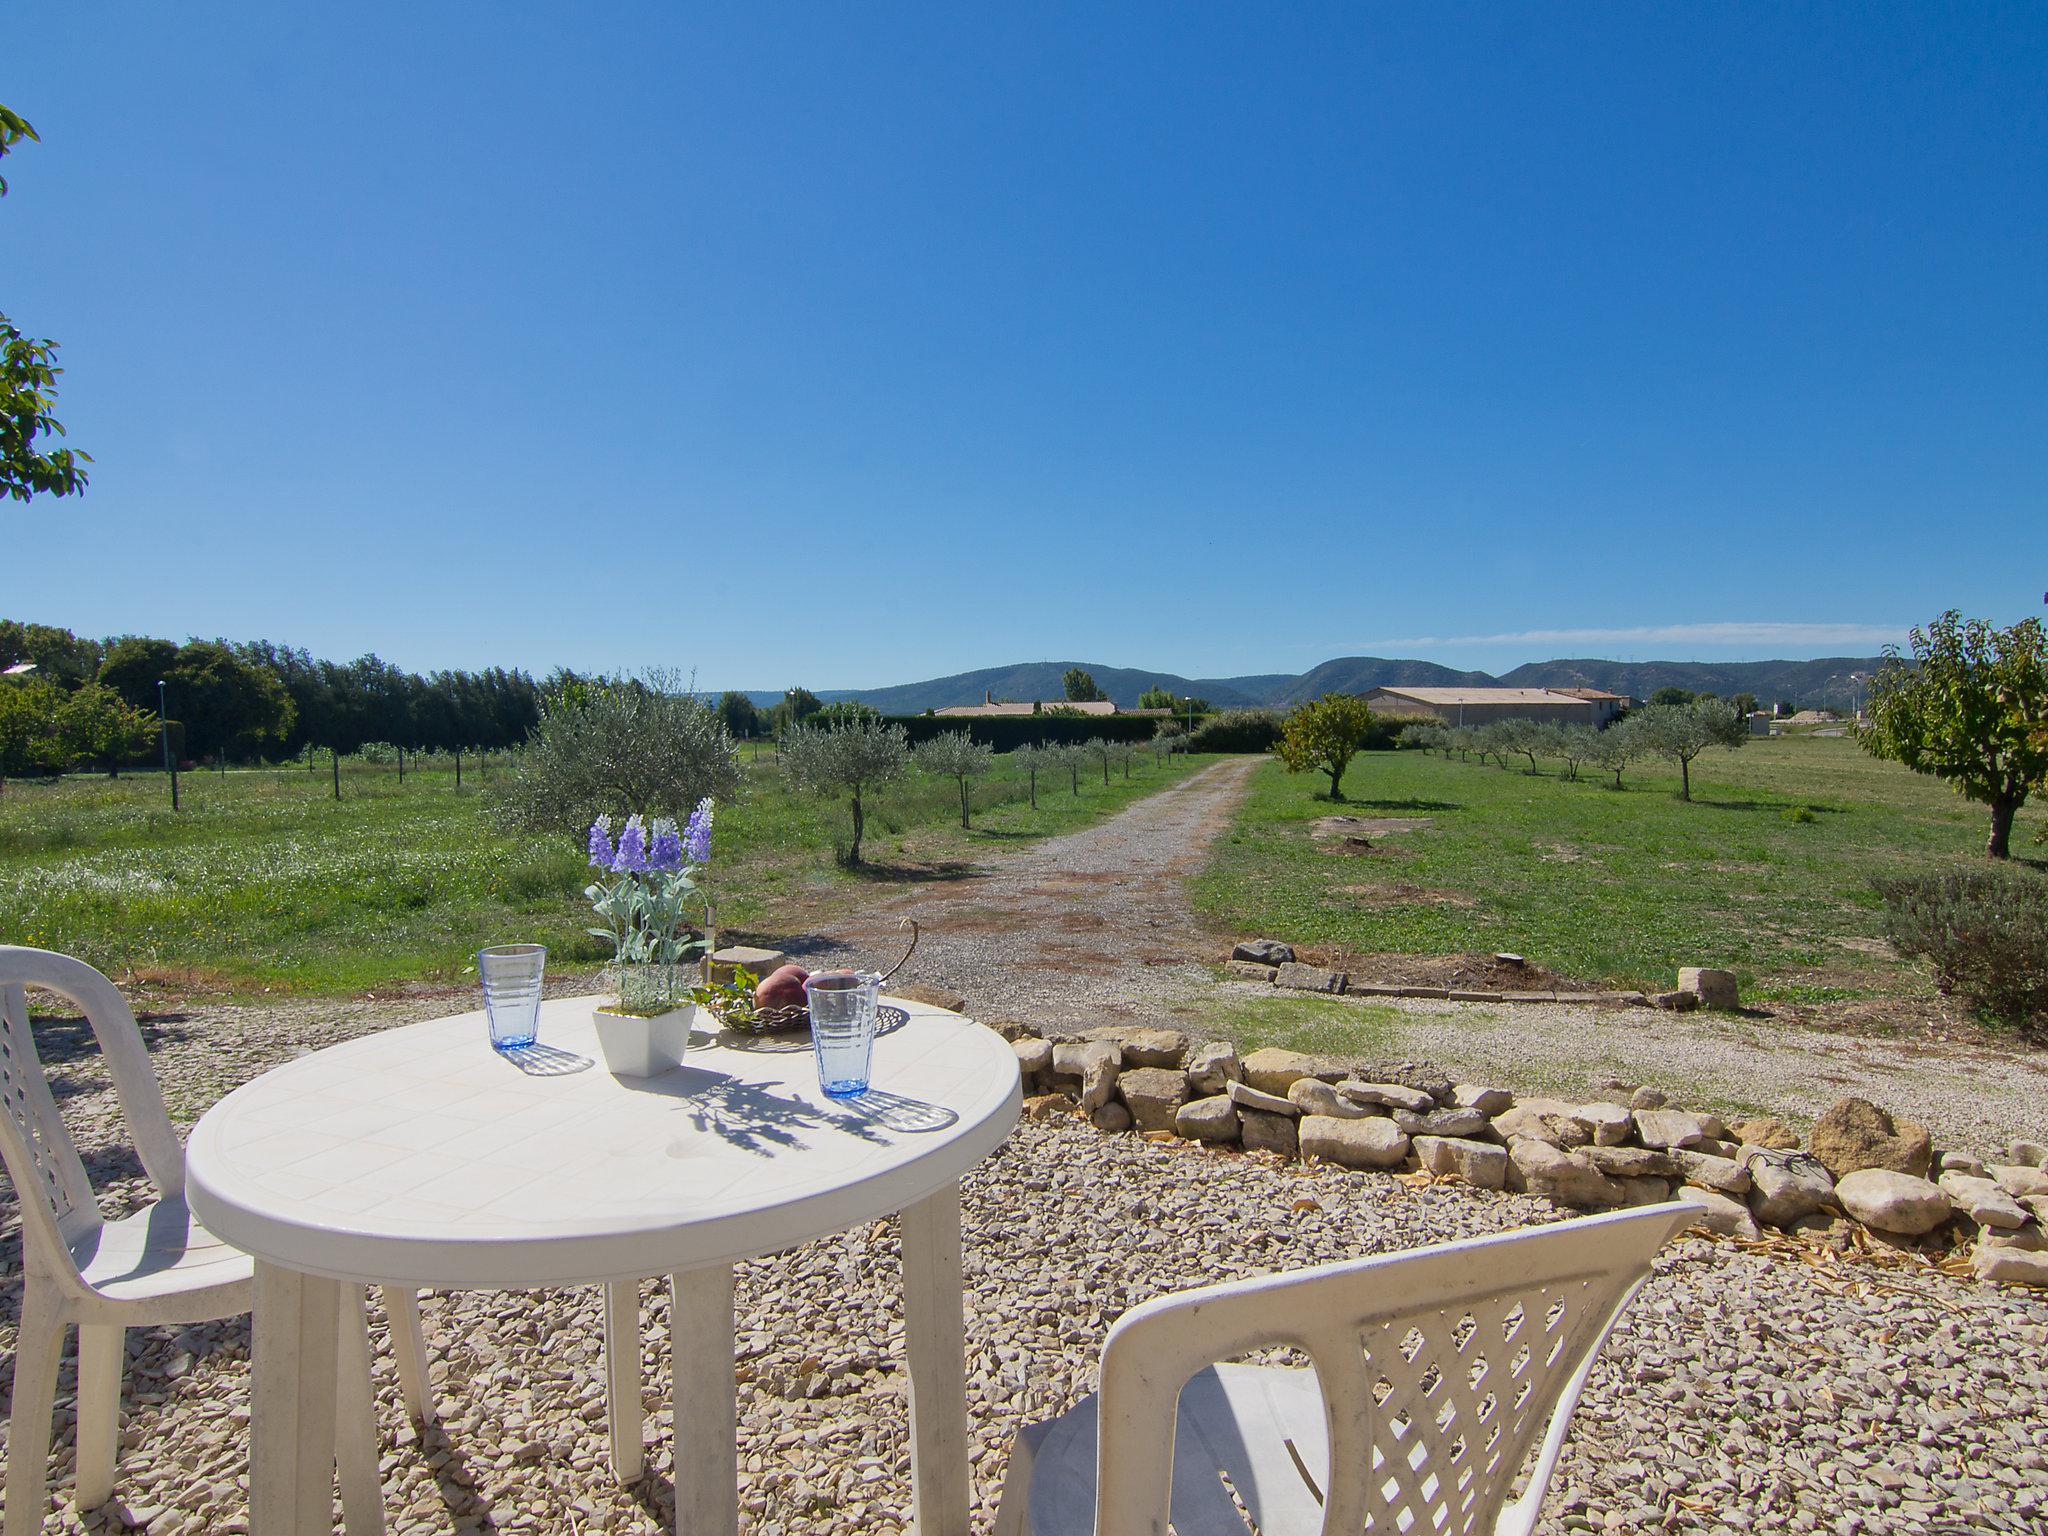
1478,706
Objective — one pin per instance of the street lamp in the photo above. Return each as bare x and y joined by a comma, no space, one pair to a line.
163,720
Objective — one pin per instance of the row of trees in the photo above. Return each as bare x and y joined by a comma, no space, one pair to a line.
1675,733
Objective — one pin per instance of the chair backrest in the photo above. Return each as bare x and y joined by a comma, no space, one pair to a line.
1438,1368
57,1202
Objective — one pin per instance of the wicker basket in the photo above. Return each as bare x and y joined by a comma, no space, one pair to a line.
743,1020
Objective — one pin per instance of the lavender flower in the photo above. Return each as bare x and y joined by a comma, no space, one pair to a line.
601,850
666,853
697,833
632,855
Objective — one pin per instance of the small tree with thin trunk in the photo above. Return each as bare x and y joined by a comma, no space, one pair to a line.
850,757
1100,751
1972,708
1323,734
1573,744
1681,732
1072,756
1123,752
1616,748
960,757
1032,759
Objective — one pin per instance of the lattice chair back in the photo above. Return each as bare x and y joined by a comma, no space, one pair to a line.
57,1203
1439,1369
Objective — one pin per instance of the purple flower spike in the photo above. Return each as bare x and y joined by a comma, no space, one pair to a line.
601,851
697,834
667,850
632,855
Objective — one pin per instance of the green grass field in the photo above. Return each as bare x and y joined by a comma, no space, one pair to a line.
264,881
1767,871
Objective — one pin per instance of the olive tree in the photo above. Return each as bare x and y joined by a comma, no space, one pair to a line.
960,757
849,757
1616,748
1100,751
1572,744
1034,758
1681,732
1323,734
632,747
1072,756
1971,707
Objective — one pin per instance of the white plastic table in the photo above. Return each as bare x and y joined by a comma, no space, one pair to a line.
421,1157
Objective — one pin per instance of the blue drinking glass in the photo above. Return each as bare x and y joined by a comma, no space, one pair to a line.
842,1005
511,974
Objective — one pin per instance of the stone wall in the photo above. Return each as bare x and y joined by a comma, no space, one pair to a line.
1859,1164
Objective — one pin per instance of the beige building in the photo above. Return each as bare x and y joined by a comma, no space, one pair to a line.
990,708
1478,706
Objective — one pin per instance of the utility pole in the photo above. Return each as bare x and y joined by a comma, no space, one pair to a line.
163,719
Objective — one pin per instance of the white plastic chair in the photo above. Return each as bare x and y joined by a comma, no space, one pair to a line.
156,1266
1436,1372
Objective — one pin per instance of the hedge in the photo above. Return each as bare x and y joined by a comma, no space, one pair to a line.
1007,732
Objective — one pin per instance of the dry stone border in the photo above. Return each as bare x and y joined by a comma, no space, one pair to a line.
1274,962
1860,1164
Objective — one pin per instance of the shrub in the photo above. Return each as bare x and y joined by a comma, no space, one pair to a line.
620,748
1238,730
1984,931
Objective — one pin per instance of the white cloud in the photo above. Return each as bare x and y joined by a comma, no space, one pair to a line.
1743,634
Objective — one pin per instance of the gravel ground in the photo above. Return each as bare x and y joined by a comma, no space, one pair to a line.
1747,1390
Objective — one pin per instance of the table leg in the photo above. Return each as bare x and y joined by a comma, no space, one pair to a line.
355,1427
935,1338
291,1406
706,1408
622,1378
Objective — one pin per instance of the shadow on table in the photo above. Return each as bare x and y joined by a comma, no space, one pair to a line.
888,1019
899,1113
537,1060
752,1116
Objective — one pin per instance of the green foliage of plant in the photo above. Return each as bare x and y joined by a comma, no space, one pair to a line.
1239,730
739,715
1984,932
1970,708
1157,697
618,745
1617,748
850,758
1618,889
959,757
1681,732
1323,735
29,740
1081,687
28,390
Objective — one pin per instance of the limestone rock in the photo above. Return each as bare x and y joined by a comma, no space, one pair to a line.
1488,1101
1569,1178
1785,1186
2031,1237
2019,1180
2028,1154
1719,1213
1210,1119
1247,970
1308,978
1263,952
730,959
1607,1125
1262,1132
1767,1132
1071,1058
1721,1148
1155,1095
1044,1106
1892,1202
1444,1122
1153,1047
1715,989
1245,1096
1392,1095
1632,1162
1669,1128
1961,1162
1983,1201
1712,1172
1110,1117
2014,1266
1419,1075
1313,1096
1033,1055
1212,1068
1647,1098
1098,1082
1676,1002
1374,1142
1478,1163
1275,1070
1855,1134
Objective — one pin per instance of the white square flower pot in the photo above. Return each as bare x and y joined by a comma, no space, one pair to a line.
634,1046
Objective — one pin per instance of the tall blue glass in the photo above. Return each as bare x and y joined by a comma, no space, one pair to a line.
842,1005
511,974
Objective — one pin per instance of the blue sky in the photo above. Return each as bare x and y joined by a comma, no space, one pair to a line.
850,345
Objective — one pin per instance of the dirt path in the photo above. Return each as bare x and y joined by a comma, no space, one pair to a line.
1088,928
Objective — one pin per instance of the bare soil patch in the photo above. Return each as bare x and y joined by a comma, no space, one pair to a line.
1470,972
1328,827
1399,893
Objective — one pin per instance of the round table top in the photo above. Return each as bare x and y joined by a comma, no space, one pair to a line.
421,1156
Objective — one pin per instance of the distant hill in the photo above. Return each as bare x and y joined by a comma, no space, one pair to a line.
1822,683
1810,684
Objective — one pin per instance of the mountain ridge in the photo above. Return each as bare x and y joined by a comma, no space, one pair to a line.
1821,682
